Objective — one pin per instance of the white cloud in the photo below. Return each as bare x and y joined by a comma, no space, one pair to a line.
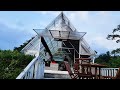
102,12
76,15
47,12
83,15
105,13
44,12
101,41
11,25
71,16
41,12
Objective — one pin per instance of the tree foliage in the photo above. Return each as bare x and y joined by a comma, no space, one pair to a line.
111,59
114,60
115,34
12,63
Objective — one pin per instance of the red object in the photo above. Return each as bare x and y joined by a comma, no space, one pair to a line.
53,62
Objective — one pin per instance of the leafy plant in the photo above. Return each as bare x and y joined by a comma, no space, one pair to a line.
12,63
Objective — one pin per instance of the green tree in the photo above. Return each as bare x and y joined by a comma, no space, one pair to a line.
113,52
118,51
114,35
112,61
103,58
12,63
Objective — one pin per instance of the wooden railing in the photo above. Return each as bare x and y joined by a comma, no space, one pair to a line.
109,71
34,70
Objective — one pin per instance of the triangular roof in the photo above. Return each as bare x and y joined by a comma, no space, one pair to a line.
62,28
61,22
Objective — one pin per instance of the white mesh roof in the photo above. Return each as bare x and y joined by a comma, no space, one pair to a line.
67,34
61,22
62,28
33,47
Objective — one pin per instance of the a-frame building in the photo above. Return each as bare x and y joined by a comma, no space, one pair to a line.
60,38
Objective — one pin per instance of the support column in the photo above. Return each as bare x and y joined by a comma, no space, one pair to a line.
93,59
36,70
39,44
79,48
80,53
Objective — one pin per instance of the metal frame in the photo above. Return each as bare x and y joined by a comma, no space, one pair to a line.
68,49
73,47
70,37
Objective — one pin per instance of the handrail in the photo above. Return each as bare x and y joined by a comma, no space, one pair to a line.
31,71
109,71
32,65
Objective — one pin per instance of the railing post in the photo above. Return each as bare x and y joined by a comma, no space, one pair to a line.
36,70
31,70
109,71
79,48
41,70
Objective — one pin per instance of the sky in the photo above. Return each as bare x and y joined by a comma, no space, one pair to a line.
17,26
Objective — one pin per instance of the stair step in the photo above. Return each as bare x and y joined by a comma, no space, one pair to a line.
56,74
